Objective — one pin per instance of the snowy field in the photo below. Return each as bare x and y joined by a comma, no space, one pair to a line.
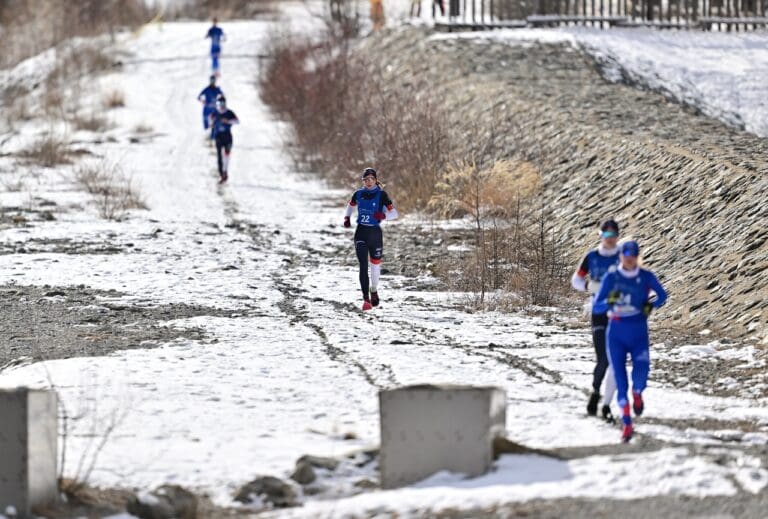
297,369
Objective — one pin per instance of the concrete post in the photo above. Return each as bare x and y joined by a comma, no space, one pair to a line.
425,429
28,449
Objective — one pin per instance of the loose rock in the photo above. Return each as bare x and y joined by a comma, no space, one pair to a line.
270,490
167,502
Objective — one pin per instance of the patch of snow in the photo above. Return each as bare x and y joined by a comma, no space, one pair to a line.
519,478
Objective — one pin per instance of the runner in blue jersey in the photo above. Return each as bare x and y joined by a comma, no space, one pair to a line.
625,294
208,98
373,206
222,120
587,278
217,36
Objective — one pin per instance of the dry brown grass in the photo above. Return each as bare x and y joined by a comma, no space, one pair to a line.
16,105
143,128
467,189
52,149
515,250
223,9
113,98
41,24
66,83
91,122
342,122
114,191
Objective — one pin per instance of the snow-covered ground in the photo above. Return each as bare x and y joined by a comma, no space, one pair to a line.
296,370
723,74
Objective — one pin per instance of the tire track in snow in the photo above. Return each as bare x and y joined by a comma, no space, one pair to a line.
380,376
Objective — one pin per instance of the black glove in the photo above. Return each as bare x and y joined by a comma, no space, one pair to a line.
347,223
614,296
647,309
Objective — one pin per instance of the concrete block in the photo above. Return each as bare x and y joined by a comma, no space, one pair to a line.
425,429
28,449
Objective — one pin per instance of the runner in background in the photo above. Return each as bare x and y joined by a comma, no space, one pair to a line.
222,120
208,97
217,36
593,267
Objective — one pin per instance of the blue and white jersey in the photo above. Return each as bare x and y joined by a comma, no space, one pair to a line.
223,121
216,35
209,95
632,289
368,202
594,266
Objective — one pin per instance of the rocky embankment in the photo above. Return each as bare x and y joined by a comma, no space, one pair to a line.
691,189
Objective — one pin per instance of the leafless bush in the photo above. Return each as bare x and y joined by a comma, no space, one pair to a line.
76,60
223,9
343,121
112,189
40,24
50,150
113,98
16,105
13,185
86,420
91,122
143,128
515,251
65,83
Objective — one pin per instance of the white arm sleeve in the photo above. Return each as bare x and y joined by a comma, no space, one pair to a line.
349,210
391,213
578,282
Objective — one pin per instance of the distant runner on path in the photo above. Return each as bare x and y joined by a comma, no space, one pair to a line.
373,207
217,36
208,97
222,120
593,267
625,294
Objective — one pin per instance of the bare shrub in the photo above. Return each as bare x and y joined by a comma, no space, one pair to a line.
53,101
91,122
13,185
20,110
112,189
143,128
515,251
343,122
204,9
41,24
65,83
113,98
50,150
16,105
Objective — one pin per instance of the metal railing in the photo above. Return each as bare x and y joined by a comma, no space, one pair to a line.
706,14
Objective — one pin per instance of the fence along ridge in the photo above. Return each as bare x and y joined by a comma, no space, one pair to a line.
694,14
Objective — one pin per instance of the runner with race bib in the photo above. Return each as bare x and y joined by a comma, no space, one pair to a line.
373,206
